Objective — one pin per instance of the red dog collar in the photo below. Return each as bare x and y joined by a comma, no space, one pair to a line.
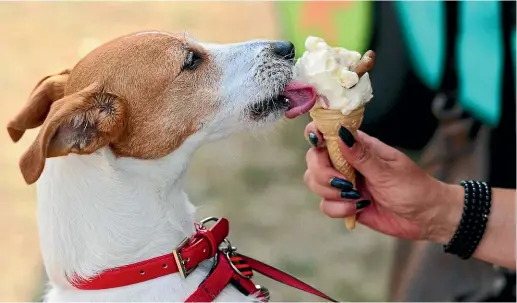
229,267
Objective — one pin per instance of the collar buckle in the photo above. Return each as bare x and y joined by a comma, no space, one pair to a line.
180,262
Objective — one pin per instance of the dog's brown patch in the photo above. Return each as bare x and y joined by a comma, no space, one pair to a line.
46,91
131,94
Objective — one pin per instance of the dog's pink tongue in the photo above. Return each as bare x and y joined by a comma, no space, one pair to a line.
301,98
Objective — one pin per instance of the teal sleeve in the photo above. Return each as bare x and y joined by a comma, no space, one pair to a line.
423,29
480,59
513,50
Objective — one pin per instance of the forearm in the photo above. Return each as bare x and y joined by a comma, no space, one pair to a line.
498,243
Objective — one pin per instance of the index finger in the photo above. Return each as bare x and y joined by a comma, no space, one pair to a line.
312,129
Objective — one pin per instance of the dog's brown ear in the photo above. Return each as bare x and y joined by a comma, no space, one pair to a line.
48,90
79,123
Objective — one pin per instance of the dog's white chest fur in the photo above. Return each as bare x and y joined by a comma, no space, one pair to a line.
97,212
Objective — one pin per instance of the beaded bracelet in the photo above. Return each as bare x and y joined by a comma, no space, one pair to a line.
478,197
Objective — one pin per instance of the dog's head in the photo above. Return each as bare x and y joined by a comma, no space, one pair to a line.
143,94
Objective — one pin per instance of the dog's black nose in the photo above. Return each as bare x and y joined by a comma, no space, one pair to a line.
284,49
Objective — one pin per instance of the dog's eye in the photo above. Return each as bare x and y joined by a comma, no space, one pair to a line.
192,60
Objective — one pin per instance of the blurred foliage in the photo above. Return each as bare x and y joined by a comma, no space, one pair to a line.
344,23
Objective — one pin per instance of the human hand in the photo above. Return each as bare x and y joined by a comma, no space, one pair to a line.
393,195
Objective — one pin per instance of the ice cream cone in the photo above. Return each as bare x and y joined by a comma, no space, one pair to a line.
328,123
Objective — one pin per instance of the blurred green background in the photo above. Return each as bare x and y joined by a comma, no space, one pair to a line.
253,179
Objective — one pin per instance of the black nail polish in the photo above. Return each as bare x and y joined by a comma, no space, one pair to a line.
346,136
350,194
313,139
341,184
362,204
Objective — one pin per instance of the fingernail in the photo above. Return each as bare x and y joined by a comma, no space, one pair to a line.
346,136
350,194
362,204
341,184
313,139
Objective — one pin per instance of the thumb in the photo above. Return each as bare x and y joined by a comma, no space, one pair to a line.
361,152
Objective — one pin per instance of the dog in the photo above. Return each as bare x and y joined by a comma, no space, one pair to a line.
116,135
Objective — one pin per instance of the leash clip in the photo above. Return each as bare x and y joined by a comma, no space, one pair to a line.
237,262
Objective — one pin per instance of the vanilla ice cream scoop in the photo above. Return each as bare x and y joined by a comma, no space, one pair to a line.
330,71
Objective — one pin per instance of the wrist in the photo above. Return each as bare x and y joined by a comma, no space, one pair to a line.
448,212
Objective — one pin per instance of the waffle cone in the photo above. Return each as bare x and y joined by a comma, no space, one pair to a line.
328,123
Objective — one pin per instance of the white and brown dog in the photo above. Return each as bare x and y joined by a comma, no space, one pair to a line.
117,132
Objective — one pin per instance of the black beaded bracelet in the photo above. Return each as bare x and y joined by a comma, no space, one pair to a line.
478,200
